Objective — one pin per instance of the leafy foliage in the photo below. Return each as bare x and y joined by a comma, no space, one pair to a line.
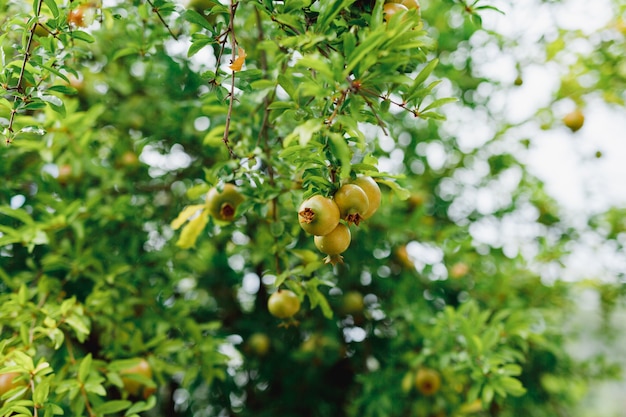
119,118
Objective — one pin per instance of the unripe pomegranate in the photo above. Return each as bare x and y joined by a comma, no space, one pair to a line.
574,120
334,243
427,381
389,9
372,190
222,205
352,202
135,386
409,4
318,215
283,304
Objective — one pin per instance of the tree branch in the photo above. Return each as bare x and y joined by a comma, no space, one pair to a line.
156,10
231,96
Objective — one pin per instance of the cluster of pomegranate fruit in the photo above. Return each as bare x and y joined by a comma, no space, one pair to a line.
329,218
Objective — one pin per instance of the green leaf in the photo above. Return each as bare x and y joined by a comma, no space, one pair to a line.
401,193
52,5
140,406
42,390
83,36
78,326
371,43
84,368
63,89
131,50
511,369
487,394
282,105
342,152
95,387
19,214
262,84
439,102
423,74
23,360
194,17
198,44
318,63
432,115
287,84
328,12
512,386
304,132
111,407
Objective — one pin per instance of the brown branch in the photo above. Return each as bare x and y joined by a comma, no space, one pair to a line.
231,95
339,103
414,112
380,121
156,10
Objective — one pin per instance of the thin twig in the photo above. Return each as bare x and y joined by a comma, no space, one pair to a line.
414,112
381,123
231,96
156,10
339,103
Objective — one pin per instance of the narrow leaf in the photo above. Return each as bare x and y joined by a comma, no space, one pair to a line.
52,5
192,230
440,102
185,215
111,407
84,368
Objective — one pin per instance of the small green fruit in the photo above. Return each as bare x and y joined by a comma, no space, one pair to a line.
134,386
372,190
334,243
574,120
318,215
427,381
353,302
222,205
283,304
259,343
352,202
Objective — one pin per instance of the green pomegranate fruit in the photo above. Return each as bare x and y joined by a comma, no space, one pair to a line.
352,202
389,9
283,304
134,386
427,381
7,382
409,4
353,302
318,215
334,243
372,190
574,120
222,205
259,343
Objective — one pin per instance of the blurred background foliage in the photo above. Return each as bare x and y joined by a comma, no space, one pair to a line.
117,124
